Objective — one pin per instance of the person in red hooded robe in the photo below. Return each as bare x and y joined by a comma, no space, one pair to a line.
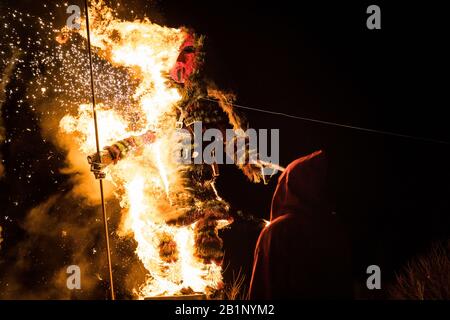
303,252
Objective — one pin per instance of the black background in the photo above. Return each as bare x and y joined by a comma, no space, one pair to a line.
320,61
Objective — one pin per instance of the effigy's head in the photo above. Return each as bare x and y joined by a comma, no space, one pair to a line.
188,61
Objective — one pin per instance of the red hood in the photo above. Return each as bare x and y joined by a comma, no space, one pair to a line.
300,187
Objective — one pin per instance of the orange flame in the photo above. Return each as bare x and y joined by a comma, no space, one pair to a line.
146,180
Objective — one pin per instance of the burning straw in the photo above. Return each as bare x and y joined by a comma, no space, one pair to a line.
175,230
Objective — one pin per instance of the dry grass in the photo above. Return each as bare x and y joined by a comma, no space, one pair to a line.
236,290
426,277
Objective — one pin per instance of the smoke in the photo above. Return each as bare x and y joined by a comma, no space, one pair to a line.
76,167
69,224
6,75
48,226
66,228
60,232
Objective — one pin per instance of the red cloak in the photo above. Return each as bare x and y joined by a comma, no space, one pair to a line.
303,252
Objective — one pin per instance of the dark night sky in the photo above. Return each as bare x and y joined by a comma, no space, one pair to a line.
320,61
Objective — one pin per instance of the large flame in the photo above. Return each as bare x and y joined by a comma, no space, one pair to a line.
144,181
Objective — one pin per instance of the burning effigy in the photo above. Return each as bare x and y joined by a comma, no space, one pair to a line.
171,208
